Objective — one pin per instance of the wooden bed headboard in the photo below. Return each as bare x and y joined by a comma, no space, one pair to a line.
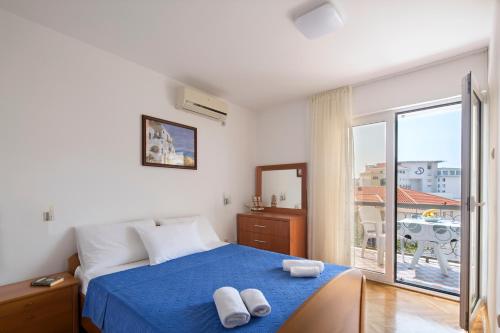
73,263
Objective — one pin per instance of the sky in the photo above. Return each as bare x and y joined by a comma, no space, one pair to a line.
433,134
182,137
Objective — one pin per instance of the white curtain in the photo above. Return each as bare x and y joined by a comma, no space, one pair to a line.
331,176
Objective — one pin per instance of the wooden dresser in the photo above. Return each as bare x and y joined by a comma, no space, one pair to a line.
283,233
39,309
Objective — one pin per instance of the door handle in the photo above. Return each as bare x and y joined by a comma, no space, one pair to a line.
259,226
259,241
473,204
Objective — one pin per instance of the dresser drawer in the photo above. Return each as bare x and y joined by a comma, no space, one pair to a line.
264,242
47,312
265,226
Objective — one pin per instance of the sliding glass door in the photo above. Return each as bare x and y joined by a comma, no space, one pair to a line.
418,203
429,200
370,181
371,245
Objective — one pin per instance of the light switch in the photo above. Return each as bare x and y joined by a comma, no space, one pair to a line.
48,216
226,199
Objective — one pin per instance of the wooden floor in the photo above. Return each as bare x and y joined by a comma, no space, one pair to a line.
391,309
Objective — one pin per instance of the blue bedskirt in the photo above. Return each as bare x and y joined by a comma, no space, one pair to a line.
176,296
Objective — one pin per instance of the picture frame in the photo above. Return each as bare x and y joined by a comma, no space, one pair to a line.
168,144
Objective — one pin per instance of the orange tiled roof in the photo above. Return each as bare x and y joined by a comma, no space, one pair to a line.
376,165
376,194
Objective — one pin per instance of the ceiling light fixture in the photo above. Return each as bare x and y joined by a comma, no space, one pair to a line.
320,21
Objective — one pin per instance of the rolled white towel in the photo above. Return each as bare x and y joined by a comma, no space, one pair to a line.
256,302
288,263
305,271
230,307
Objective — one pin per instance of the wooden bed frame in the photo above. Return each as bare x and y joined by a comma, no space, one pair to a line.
337,307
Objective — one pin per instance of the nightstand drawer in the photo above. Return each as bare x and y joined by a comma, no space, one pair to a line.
51,311
264,242
265,226
43,301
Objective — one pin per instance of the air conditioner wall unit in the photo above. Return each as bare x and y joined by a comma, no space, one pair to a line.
198,102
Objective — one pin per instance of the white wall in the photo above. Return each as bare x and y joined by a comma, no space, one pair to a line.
283,134
283,131
422,85
70,137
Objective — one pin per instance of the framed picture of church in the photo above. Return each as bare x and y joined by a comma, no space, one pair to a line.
168,144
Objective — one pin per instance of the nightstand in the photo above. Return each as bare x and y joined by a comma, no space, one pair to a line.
39,309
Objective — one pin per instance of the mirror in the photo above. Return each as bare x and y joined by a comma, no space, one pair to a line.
285,186
282,186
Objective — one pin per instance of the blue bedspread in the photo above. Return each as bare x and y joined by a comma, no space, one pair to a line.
176,296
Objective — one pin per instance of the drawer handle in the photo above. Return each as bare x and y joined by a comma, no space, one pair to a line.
259,226
259,241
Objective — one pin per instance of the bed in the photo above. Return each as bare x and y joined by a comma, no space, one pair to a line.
176,296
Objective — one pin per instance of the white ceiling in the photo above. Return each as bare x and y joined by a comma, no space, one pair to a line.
249,51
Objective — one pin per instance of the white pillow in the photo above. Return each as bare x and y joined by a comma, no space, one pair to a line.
107,245
205,230
170,241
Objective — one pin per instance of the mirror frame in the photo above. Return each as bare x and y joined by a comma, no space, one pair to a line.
292,166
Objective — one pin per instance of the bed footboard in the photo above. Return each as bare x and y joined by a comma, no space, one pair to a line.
338,307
